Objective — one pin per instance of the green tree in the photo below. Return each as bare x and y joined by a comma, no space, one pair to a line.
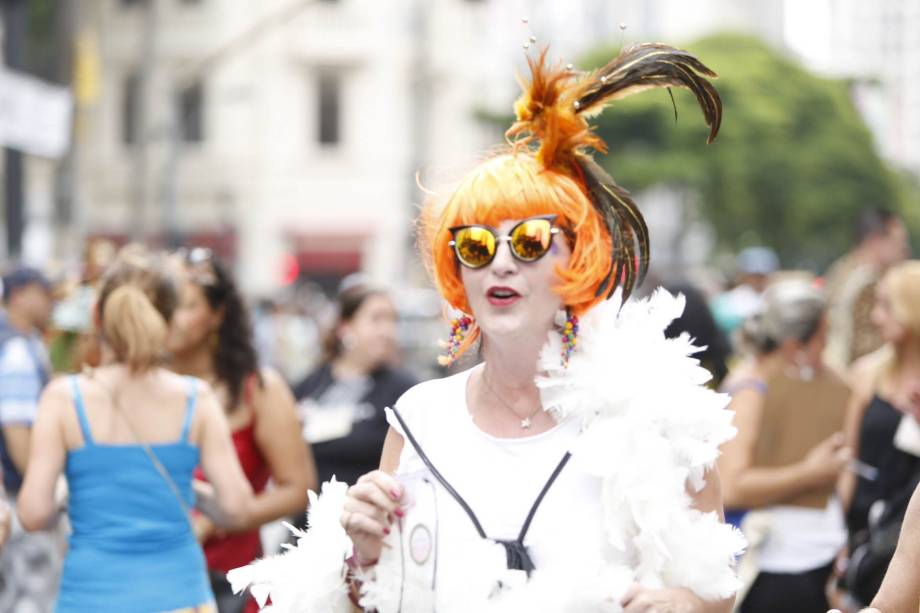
791,167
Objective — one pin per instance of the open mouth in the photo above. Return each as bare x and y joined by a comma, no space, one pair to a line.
502,296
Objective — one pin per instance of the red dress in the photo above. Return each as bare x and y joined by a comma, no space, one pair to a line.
225,553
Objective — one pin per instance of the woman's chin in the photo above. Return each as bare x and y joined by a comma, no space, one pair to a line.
509,327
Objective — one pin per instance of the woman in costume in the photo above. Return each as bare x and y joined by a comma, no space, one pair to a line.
128,436
210,338
789,410
573,470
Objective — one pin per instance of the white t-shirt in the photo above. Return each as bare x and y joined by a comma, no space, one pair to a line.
501,478
802,539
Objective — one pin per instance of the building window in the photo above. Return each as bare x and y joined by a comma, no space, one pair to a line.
130,99
329,89
191,113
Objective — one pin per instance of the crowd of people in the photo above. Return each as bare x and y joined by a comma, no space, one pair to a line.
584,461
100,462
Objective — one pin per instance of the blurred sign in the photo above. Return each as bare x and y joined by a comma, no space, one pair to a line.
34,115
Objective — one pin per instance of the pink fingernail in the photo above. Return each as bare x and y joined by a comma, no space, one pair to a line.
386,530
395,494
399,513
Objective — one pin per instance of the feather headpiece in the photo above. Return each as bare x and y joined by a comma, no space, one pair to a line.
552,114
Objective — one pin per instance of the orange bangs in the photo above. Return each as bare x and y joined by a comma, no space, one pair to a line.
510,187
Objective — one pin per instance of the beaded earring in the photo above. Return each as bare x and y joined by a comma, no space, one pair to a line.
458,329
569,334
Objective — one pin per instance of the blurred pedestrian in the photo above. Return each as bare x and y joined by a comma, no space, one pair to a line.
789,411
882,429
30,563
342,402
128,435
753,268
698,322
850,284
211,339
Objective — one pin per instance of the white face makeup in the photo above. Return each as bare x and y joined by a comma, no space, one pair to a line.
509,297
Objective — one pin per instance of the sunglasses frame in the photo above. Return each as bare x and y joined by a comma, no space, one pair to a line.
553,230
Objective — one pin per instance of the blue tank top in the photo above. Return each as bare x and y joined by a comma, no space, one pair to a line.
132,549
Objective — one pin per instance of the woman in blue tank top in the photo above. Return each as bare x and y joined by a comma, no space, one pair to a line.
128,436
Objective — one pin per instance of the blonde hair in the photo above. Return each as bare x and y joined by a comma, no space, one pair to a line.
903,284
136,302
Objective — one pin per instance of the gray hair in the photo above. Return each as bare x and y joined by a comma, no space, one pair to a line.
791,309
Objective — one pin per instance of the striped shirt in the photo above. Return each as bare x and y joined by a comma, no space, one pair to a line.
24,369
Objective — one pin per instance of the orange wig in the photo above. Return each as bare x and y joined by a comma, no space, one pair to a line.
548,170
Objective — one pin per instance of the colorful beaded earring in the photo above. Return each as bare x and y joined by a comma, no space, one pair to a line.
458,329
569,333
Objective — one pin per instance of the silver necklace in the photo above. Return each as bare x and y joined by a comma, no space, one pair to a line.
526,422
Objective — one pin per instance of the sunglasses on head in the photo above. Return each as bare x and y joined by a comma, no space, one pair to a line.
196,255
475,245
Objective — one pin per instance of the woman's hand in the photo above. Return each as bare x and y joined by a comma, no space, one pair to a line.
640,599
369,512
827,459
203,528
207,503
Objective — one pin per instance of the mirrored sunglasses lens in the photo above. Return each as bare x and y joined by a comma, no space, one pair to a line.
531,239
475,246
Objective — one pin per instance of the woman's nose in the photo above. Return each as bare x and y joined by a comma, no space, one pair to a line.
503,263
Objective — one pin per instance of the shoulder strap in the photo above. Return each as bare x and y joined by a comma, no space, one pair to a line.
81,410
536,503
190,404
437,474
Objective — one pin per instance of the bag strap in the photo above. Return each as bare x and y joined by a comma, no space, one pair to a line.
164,473
157,464
517,555
437,475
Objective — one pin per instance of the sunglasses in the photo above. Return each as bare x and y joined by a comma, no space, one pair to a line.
195,256
475,246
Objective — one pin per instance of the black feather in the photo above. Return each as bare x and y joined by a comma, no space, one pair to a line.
626,226
651,65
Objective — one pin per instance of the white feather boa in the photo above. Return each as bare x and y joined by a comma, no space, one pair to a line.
650,428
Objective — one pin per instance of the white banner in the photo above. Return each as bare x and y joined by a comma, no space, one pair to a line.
35,116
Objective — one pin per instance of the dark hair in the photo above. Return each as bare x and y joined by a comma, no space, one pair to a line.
348,302
697,321
235,357
872,222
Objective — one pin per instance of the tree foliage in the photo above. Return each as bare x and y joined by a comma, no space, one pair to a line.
793,163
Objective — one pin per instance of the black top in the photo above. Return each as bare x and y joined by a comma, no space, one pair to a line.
348,455
896,469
